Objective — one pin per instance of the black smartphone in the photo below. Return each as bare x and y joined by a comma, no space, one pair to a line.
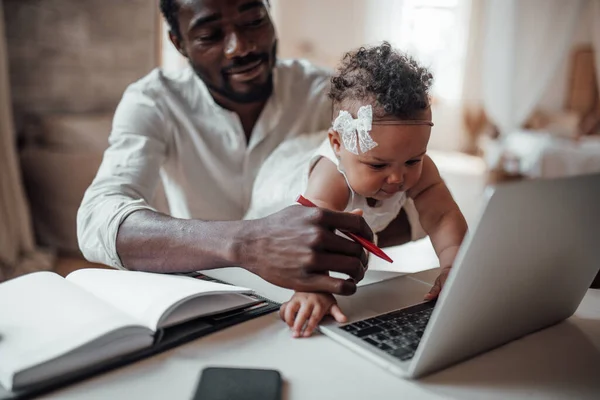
220,383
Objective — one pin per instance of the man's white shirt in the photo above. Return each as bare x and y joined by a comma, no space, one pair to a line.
168,126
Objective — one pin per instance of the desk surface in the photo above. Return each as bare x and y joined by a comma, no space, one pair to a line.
561,362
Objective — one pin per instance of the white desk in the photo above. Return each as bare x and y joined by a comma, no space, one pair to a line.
561,362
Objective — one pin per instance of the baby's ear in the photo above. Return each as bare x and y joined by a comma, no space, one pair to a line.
335,141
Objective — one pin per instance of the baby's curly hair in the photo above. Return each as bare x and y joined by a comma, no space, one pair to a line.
392,82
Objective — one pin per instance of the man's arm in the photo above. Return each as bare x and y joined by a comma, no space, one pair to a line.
154,242
292,248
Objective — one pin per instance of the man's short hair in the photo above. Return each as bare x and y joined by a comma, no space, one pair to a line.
170,10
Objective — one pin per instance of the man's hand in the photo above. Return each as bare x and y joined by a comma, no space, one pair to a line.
297,247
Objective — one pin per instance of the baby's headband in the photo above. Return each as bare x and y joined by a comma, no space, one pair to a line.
355,132
403,122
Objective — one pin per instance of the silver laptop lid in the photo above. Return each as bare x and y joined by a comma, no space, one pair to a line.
526,265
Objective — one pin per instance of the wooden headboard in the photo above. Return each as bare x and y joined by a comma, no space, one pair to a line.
582,94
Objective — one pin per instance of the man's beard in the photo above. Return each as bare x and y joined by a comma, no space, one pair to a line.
259,92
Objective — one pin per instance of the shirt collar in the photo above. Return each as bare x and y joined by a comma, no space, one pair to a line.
270,115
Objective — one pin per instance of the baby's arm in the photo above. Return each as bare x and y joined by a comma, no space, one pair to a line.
309,309
440,217
327,187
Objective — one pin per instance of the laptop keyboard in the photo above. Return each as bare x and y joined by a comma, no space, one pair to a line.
398,333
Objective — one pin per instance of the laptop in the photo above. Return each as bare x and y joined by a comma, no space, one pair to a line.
525,266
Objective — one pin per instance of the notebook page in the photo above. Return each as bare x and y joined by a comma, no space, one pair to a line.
209,304
42,316
147,296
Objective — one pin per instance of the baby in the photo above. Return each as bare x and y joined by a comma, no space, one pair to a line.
371,162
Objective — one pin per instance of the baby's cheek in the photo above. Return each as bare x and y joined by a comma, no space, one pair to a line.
367,184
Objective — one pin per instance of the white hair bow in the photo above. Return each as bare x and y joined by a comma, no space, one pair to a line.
355,132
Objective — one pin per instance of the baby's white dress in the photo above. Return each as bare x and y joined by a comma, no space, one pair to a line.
284,175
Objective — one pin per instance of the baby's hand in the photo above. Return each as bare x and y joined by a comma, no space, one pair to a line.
308,309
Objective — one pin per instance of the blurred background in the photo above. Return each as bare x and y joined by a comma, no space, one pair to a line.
515,93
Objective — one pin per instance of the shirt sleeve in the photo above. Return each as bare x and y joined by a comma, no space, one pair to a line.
127,177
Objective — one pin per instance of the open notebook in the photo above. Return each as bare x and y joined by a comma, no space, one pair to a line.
50,326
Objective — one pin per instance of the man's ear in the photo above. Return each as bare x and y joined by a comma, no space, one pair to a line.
177,43
335,141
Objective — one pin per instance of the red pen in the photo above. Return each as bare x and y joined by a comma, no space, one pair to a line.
362,241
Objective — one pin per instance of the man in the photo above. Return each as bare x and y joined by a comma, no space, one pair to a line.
206,131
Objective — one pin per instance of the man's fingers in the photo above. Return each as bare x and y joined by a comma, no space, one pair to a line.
344,221
326,284
301,317
331,242
313,321
336,244
364,260
351,266
337,314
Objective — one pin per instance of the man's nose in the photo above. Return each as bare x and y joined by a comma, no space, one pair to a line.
236,45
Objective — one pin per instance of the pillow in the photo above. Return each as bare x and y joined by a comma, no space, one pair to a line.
564,124
55,182
559,123
58,163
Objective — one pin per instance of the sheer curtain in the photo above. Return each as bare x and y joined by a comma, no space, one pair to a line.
525,42
18,254
474,118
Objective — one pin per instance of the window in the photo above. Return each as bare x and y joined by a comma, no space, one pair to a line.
433,31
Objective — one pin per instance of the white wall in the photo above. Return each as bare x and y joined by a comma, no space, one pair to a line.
319,30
